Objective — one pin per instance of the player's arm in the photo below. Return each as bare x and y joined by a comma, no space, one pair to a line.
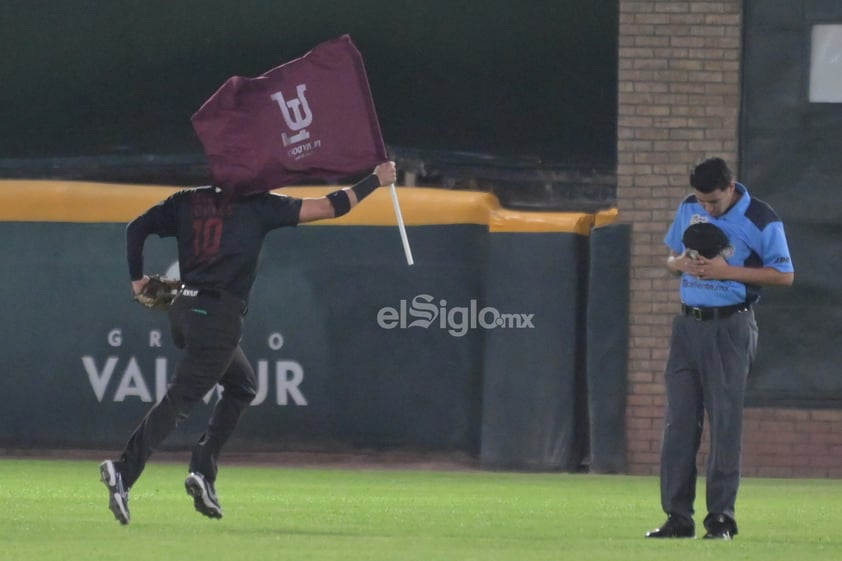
766,276
153,221
340,202
773,248
719,269
136,233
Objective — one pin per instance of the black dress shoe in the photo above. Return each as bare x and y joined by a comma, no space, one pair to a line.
674,527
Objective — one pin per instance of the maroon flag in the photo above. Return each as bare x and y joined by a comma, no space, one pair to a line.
311,118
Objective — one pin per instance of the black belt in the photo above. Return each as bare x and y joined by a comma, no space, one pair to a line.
200,291
720,312
215,293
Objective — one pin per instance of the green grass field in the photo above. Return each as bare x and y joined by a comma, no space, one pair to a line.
52,509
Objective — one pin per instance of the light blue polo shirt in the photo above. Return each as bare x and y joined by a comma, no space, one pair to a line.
757,240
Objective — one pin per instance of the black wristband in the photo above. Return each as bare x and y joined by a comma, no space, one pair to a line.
340,202
365,187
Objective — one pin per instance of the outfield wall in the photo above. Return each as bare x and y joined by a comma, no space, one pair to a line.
481,346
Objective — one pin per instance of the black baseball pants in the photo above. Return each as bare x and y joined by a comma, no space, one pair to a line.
208,328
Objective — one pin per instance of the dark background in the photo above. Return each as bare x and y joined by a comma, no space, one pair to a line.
475,95
791,159
512,97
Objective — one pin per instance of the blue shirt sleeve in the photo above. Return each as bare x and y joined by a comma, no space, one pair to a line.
676,230
775,251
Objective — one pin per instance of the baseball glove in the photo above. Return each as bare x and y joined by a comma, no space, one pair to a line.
158,293
706,238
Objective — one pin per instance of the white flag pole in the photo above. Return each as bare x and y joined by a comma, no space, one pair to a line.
406,249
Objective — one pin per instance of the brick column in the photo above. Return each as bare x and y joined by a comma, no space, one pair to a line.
679,98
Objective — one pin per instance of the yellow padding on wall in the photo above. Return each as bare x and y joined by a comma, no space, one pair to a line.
75,201
606,217
68,201
419,206
515,221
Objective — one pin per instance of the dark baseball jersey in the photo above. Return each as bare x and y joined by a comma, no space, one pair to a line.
219,238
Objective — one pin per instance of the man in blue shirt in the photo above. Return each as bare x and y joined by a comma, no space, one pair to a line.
713,343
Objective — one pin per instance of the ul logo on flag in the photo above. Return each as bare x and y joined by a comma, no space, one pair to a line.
297,115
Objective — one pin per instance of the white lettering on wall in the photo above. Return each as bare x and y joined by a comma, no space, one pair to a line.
154,338
99,380
276,341
160,378
115,337
132,384
121,381
287,386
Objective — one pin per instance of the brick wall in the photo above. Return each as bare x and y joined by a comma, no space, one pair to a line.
679,99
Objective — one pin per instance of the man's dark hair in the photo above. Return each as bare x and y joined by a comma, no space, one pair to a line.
710,174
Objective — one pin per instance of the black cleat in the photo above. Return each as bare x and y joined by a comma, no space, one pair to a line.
118,495
721,534
719,527
674,527
204,495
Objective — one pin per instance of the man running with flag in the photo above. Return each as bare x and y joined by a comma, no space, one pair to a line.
220,231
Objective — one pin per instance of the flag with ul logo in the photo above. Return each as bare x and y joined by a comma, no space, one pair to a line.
312,118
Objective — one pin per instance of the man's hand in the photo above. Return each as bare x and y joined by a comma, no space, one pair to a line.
682,262
137,285
708,269
157,292
386,173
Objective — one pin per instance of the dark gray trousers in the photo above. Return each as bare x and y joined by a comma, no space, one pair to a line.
208,329
707,369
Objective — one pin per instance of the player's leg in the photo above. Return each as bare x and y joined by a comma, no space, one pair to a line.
239,388
682,433
726,373
238,391
210,340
